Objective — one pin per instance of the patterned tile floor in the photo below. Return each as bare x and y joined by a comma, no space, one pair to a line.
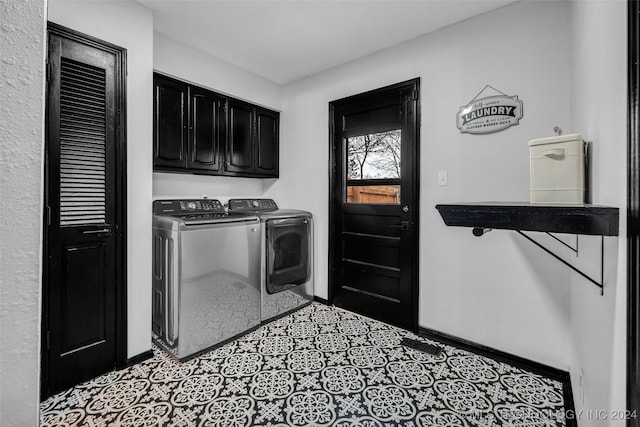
319,366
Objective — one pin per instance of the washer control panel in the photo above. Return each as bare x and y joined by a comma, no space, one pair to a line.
187,207
252,205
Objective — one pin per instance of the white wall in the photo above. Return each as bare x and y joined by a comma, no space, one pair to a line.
21,197
498,290
598,105
186,63
129,25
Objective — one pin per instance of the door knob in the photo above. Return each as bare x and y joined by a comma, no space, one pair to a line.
405,208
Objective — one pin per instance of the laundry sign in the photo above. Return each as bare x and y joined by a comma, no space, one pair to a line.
490,111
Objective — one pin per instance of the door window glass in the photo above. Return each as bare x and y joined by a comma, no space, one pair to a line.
373,168
387,194
374,156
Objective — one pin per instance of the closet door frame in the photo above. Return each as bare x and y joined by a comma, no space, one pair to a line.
120,186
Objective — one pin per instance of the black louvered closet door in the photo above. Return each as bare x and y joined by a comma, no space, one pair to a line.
81,284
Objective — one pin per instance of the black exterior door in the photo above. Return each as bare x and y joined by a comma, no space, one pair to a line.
83,310
374,204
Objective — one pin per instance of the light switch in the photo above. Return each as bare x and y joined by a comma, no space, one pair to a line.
443,178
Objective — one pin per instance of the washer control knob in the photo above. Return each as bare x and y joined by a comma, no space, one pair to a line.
255,203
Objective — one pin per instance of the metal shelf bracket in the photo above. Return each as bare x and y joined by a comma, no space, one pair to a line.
599,284
477,231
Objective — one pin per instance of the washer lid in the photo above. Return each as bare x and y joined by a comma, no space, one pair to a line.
219,219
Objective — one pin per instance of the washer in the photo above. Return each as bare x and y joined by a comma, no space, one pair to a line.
287,255
206,275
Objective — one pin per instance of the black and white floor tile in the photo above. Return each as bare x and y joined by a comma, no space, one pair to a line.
319,366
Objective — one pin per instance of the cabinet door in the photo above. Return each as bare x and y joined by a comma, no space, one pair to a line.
204,130
266,145
239,136
169,123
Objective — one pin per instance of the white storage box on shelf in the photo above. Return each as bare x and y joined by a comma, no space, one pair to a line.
557,169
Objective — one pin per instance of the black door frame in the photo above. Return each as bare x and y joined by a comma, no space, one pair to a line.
121,210
633,213
412,84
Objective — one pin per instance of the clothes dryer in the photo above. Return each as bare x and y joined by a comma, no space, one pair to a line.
287,255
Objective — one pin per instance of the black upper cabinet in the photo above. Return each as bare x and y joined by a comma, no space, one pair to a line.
240,136
169,122
252,140
199,131
204,130
266,145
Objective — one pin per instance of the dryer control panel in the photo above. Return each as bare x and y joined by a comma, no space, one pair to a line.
252,205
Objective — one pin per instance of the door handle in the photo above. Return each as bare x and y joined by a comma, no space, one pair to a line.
101,232
404,226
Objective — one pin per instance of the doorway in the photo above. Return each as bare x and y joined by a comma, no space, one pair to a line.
84,286
373,241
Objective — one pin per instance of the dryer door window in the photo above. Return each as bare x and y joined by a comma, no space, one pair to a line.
288,249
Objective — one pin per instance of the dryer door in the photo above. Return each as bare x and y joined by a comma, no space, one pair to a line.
288,253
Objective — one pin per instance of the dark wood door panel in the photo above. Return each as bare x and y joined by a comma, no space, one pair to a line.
373,225
74,367
86,305
378,251
267,150
170,122
386,310
375,280
372,120
239,137
204,136
375,209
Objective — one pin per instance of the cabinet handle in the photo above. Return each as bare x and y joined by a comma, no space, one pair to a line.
554,152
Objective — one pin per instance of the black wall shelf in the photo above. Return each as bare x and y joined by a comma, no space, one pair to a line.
570,219
548,218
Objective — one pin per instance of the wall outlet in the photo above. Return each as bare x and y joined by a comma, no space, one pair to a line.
443,178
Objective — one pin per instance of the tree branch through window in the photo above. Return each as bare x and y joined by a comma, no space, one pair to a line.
374,156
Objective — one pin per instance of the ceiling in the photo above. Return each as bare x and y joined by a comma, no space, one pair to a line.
287,40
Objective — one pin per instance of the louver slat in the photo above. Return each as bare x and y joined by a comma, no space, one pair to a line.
84,90
82,144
